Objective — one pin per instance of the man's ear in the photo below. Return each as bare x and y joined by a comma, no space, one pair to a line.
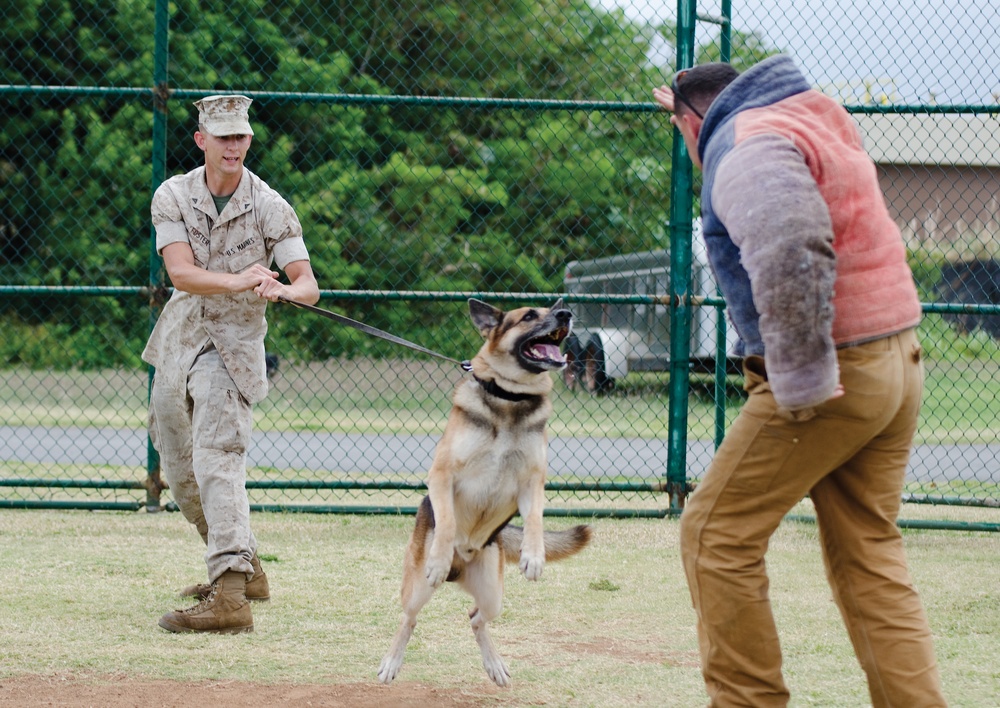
693,123
199,139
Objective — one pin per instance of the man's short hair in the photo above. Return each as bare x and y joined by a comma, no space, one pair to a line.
701,84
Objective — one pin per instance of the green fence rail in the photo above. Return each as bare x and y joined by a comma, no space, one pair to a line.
439,152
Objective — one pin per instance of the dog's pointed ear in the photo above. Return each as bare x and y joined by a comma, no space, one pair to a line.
485,317
558,305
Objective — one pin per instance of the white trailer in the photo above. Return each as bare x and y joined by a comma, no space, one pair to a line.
611,339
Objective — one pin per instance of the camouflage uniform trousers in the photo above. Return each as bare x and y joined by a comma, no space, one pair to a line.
201,434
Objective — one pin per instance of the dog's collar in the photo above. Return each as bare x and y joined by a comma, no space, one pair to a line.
493,389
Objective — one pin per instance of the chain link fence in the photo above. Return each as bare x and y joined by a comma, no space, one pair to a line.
507,151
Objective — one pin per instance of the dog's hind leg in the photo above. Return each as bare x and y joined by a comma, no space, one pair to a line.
416,592
483,579
495,667
392,662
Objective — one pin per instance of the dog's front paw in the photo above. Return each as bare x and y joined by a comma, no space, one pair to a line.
436,571
532,566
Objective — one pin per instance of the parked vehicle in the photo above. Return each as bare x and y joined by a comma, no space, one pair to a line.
611,339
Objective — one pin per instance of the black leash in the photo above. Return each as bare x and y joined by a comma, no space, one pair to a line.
368,329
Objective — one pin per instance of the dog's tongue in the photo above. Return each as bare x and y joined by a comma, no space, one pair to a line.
546,351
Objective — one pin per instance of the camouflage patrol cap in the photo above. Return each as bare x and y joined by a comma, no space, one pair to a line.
225,115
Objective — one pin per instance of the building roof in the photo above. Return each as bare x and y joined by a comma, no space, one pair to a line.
932,139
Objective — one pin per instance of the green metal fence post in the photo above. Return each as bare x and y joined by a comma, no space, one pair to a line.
680,281
159,163
726,36
721,364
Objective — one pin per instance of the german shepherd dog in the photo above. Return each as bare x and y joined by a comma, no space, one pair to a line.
489,465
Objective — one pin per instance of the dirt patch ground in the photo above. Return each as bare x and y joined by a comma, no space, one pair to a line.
114,692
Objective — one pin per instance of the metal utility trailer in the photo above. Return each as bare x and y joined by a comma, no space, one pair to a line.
610,339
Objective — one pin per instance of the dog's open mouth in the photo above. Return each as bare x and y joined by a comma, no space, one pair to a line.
543,351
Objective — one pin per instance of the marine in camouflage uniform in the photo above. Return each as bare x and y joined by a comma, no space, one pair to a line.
219,228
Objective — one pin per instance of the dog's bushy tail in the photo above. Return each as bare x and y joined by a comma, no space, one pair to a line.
558,544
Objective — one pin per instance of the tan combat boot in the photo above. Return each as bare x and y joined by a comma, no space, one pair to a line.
257,589
224,611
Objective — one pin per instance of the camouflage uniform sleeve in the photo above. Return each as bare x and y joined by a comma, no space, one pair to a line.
284,232
167,219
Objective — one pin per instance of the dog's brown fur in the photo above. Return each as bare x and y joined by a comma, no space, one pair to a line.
489,465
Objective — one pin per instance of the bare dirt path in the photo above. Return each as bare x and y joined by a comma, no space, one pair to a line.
122,692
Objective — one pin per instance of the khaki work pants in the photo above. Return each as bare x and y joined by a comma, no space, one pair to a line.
851,460
201,434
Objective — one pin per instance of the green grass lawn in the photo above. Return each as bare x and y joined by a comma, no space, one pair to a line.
610,627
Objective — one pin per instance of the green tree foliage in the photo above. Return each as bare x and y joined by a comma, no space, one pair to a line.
391,197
